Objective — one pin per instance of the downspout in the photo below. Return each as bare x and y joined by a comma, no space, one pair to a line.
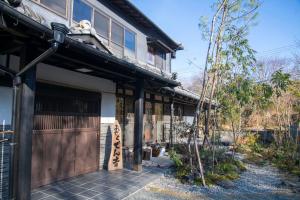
59,34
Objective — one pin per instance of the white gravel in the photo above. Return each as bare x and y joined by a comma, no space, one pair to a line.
256,183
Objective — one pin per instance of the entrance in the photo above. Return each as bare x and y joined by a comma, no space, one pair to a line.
65,141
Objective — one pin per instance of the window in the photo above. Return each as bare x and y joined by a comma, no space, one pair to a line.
59,6
168,62
101,24
148,96
129,92
158,98
117,34
130,40
160,60
81,11
151,56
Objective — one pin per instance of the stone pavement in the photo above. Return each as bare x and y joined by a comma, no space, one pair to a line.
103,184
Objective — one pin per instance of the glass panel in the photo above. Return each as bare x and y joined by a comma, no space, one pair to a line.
120,91
167,120
151,57
148,96
81,11
101,24
166,99
56,5
167,109
178,111
130,40
129,92
117,33
160,60
129,122
148,123
159,121
168,63
158,98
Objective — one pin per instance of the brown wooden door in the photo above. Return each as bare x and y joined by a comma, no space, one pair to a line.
66,134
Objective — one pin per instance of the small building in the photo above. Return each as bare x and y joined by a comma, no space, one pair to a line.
63,85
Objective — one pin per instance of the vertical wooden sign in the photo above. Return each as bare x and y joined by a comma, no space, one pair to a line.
116,157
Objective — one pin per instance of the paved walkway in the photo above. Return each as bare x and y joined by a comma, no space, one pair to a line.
98,185
104,184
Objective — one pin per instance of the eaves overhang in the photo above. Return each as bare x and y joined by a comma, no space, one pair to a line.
92,55
187,95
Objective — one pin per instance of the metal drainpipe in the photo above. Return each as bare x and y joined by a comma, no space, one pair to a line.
59,34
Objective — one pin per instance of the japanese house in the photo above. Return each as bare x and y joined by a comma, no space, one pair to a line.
68,70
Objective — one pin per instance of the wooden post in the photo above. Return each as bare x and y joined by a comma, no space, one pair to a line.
23,127
138,125
171,123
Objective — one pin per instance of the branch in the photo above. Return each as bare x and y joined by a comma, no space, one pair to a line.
245,14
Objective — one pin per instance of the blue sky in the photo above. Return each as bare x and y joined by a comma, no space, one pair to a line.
275,35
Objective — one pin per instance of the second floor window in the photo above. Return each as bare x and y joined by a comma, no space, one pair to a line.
160,60
59,6
130,40
151,56
81,11
101,24
121,39
117,34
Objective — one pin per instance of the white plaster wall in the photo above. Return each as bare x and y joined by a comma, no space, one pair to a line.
74,79
5,105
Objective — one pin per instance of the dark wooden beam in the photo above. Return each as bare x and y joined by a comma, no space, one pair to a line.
138,125
23,127
10,50
10,45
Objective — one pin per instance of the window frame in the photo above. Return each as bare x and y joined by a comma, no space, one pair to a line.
123,30
109,23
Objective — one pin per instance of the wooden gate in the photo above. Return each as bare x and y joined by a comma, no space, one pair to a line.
66,132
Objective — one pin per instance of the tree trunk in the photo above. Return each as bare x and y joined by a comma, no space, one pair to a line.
198,158
217,62
190,152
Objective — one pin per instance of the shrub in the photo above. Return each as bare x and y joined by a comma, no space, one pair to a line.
213,178
175,158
